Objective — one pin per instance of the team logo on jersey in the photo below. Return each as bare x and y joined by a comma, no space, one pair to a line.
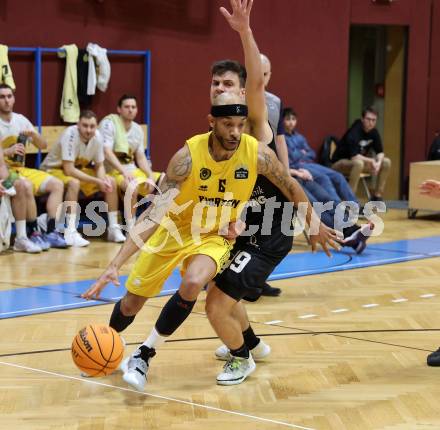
205,173
241,173
203,188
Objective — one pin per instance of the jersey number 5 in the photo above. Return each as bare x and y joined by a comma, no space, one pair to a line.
221,185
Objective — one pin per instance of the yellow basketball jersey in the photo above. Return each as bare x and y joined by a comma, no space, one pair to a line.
215,192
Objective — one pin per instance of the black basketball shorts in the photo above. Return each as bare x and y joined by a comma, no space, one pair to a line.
249,266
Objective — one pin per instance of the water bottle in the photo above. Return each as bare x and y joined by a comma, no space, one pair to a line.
18,158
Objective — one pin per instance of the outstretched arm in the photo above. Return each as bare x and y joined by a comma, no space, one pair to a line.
255,99
270,166
430,188
178,170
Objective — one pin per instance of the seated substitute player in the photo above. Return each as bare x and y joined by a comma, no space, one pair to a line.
214,172
22,204
15,130
77,159
125,153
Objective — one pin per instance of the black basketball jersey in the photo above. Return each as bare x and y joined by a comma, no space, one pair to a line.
262,192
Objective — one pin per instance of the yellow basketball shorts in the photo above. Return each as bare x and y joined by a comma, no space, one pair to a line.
38,178
139,175
87,188
152,269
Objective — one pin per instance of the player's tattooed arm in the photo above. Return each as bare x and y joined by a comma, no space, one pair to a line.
271,167
177,172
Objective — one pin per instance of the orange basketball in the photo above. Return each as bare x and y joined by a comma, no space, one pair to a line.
97,350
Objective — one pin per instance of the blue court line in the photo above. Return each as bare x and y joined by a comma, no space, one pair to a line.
51,298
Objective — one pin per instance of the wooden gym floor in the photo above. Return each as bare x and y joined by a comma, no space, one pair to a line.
348,352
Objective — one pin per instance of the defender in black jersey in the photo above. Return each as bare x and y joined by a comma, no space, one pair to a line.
253,257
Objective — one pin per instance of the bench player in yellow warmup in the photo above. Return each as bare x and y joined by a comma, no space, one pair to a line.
15,130
125,154
77,159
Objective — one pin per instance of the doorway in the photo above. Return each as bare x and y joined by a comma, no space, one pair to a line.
377,77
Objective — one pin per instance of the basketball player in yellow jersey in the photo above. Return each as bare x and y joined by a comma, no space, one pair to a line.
214,170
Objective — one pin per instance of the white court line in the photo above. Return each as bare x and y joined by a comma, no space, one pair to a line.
157,396
273,322
427,296
399,300
337,311
370,305
303,317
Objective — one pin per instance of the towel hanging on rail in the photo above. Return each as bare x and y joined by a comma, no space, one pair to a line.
104,70
5,69
69,108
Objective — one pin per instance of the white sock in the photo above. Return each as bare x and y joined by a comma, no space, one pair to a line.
154,340
130,223
71,222
21,229
367,229
112,219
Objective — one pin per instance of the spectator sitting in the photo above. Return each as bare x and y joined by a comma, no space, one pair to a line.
302,159
361,150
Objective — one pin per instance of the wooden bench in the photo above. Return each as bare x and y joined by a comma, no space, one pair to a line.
52,133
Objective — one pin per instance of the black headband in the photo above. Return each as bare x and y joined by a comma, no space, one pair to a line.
229,110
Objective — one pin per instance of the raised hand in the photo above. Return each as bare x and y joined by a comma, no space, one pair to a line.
110,275
239,19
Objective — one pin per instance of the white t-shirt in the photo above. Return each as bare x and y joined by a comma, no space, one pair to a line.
17,125
135,138
70,147
9,131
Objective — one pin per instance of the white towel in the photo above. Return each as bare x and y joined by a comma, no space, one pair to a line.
104,69
6,219
91,78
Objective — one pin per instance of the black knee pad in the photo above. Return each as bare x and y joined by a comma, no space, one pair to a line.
173,314
118,321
